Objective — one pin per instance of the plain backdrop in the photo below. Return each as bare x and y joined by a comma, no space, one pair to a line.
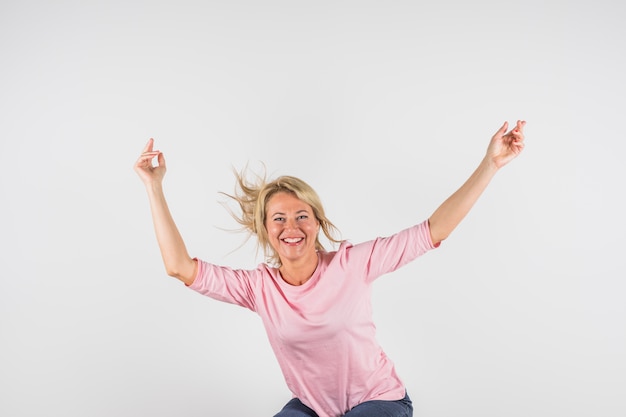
385,108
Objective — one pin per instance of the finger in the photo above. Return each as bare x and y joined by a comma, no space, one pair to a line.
518,139
146,157
502,129
518,132
161,160
148,147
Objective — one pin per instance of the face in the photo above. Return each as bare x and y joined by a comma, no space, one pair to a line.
291,227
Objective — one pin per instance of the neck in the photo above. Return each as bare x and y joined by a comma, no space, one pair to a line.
297,273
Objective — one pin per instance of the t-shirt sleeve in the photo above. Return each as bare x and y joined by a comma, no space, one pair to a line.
386,254
234,286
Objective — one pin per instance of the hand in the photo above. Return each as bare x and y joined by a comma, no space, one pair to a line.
504,147
143,167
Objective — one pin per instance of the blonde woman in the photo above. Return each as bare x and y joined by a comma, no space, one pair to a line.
315,304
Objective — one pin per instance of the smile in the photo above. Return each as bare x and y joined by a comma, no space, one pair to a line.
293,239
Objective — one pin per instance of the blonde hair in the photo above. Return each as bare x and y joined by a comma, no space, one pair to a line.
253,196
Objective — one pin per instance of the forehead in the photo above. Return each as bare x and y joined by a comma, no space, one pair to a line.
285,202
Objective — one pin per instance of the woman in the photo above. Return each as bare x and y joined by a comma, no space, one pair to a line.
315,305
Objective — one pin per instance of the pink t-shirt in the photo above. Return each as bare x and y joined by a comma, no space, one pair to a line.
322,332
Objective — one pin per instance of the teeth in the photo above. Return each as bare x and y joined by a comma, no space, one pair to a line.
292,239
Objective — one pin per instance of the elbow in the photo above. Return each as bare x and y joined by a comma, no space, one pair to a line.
185,272
436,240
172,272
437,234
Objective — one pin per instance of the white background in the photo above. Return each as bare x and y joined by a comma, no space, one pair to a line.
385,108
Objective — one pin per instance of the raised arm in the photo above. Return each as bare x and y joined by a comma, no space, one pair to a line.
177,261
503,148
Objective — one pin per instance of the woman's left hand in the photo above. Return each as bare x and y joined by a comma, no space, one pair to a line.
505,146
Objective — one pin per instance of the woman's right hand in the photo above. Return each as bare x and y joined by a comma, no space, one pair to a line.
143,167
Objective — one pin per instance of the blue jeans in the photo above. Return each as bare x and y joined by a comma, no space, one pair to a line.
376,408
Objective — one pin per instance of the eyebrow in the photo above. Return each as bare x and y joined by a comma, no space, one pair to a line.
297,212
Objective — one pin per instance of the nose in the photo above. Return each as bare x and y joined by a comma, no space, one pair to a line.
290,223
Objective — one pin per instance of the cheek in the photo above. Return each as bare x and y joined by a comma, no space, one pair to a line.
272,232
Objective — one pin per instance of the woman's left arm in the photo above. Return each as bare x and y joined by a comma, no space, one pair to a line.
503,148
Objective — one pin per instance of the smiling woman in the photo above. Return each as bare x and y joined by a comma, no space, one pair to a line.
292,230
254,199
315,304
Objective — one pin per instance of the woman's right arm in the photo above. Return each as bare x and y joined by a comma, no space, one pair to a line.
178,263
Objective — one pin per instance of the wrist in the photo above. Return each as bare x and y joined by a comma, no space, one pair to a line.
489,165
154,186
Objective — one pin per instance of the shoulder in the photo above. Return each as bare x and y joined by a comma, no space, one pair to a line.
208,270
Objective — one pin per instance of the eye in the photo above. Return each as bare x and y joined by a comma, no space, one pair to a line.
279,219
303,217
